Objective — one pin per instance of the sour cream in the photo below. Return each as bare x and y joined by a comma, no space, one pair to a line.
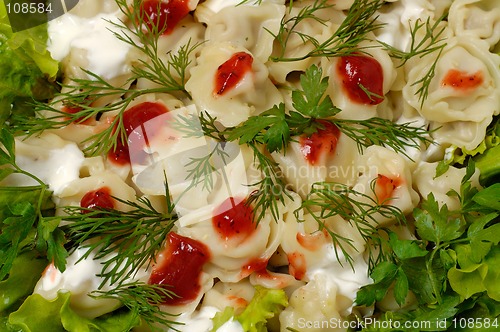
106,54
348,280
54,161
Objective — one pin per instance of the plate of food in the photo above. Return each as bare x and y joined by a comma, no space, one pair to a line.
250,165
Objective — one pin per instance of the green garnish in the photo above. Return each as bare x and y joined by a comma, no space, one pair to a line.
354,29
452,267
421,46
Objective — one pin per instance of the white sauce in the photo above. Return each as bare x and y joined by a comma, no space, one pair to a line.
402,16
56,168
80,279
200,321
231,326
347,280
217,5
106,55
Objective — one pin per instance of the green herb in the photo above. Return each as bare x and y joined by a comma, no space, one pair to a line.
271,190
143,300
359,22
430,43
125,241
21,209
26,68
452,266
328,199
57,315
265,304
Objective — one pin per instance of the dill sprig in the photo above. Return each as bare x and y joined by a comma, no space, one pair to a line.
383,132
359,22
420,46
171,76
144,300
126,241
328,199
271,190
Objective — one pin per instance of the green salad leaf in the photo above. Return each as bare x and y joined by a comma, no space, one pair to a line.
265,304
486,155
25,272
452,268
26,67
38,314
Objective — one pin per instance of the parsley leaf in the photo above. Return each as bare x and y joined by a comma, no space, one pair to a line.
435,224
311,100
14,230
269,128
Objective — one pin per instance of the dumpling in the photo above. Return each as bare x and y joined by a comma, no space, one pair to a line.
476,18
385,178
230,84
247,26
466,85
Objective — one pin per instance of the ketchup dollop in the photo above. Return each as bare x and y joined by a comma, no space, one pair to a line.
324,141
163,15
233,219
384,187
232,71
97,199
297,265
362,79
134,118
179,269
460,80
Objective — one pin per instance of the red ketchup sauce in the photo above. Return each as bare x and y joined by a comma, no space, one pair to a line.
312,241
322,142
462,81
97,199
256,264
133,118
163,15
231,72
356,70
297,267
233,219
179,269
75,109
384,187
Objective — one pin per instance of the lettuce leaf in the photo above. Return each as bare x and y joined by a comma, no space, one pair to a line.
26,67
486,155
265,304
24,274
38,314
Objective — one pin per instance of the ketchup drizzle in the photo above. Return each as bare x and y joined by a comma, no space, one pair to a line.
179,269
324,141
163,15
384,187
360,70
463,81
133,118
233,219
97,199
232,71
